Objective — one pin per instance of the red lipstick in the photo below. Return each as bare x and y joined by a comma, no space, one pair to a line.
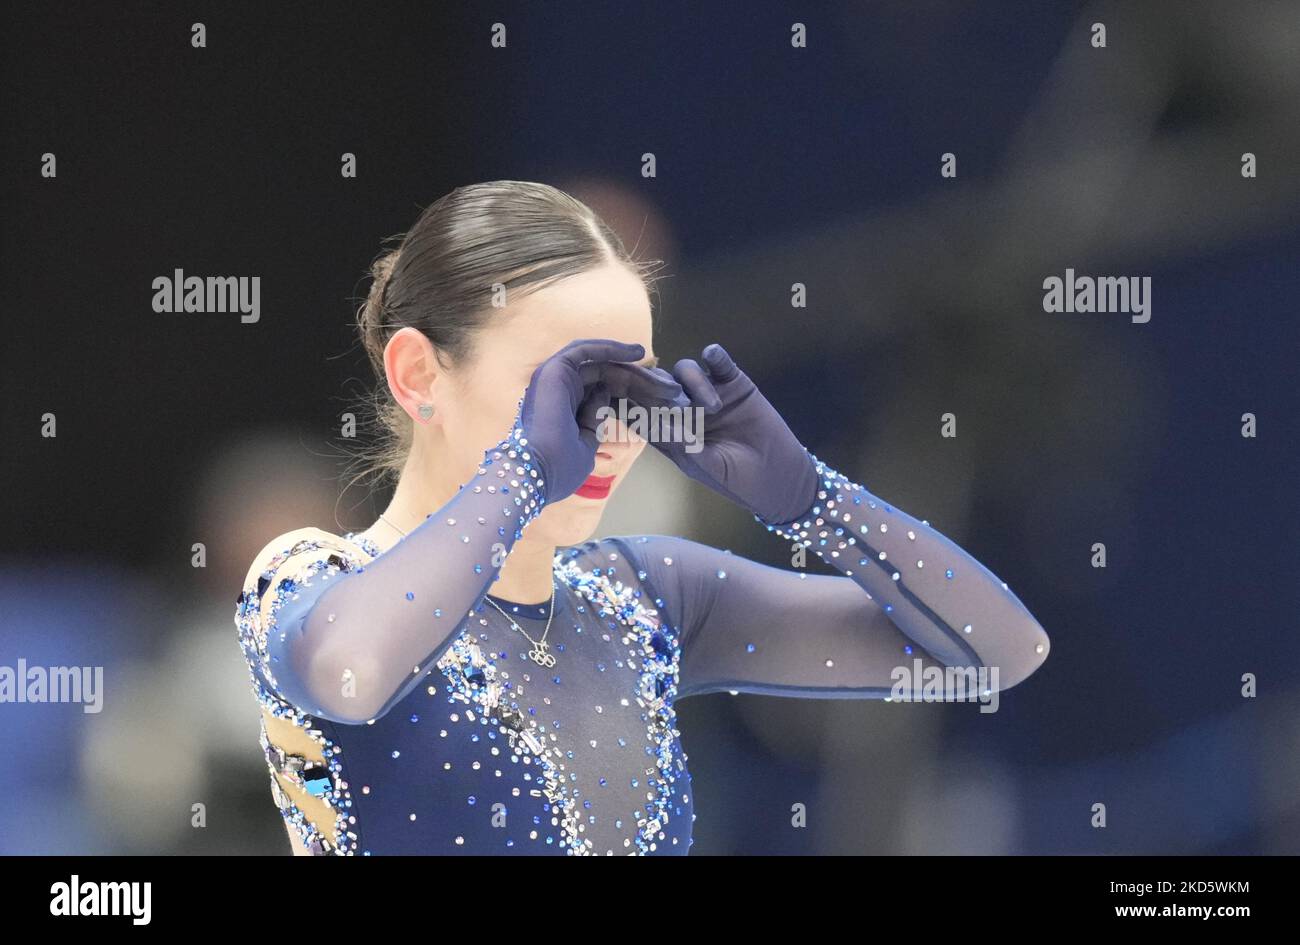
595,487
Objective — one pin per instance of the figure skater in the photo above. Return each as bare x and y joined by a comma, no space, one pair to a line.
474,674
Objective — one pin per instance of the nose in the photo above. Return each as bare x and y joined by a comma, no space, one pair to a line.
616,439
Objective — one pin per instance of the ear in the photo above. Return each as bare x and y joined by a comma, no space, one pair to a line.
412,368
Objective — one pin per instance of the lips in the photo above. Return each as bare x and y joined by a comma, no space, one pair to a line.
595,487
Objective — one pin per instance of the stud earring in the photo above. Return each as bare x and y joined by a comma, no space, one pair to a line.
426,411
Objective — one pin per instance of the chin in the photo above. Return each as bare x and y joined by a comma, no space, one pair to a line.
569,522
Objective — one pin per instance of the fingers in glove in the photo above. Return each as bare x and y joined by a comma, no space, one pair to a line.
589,416
644,386
696,383
721,367
598,349
577,364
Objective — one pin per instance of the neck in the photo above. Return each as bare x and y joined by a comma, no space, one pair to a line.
525,576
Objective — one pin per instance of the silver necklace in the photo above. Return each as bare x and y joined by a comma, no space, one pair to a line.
391,525
540,653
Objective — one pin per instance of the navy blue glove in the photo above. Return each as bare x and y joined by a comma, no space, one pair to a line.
560,412
748,454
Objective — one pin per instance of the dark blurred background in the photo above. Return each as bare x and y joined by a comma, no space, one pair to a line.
775,165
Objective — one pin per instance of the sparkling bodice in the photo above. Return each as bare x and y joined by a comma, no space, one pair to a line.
436,734
494,753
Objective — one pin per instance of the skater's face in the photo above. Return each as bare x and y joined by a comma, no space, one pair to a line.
475,400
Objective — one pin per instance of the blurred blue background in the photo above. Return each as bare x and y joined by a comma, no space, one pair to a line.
775,165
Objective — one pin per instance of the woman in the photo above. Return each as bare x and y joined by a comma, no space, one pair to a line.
408,710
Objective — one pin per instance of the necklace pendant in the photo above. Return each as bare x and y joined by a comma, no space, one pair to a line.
539,655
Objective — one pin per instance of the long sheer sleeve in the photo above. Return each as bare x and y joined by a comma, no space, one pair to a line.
913,616
345,635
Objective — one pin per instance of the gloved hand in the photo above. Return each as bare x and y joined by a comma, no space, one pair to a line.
559,414
748,454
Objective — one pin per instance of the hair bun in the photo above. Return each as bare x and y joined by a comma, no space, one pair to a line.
372,316
381,271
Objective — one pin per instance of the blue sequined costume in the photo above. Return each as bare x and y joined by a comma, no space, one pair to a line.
439,735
